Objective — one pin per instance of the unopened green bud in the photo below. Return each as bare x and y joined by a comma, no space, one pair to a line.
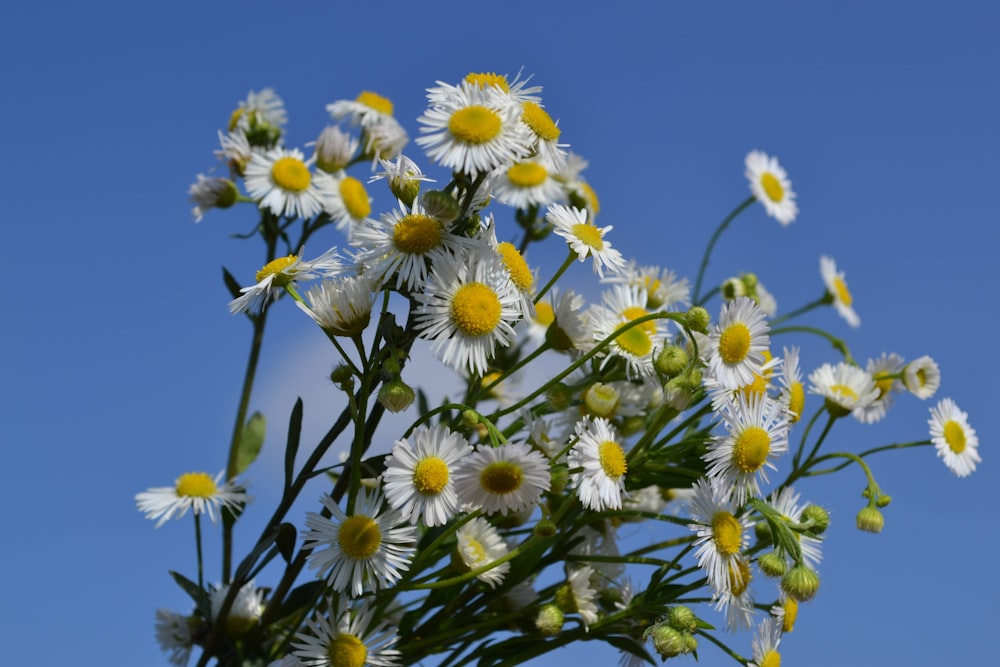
819,517
697,319
549,620
564,599
343,377
690,642
883,500
763,532
732,288
559,478
405,189
441,205
559,396
470,418
668,642
800,583
396,396
835,409
670,361
772,565
677,393
870,520
750,281
682,618
600,399
546,528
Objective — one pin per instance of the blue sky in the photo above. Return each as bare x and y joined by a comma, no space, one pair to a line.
121,362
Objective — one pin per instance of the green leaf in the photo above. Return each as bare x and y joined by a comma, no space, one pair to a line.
199,596
292,446
251,440
782,536
286,541
231,284
629,645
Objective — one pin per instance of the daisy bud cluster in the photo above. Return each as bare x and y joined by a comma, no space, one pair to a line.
508,426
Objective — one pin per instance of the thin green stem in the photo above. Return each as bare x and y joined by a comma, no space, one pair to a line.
837,343
197,546
822,301
711,245
552,281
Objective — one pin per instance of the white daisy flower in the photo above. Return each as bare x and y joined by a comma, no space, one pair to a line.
367,109
403,244
385,140
793,394
175,636
757,431
480,544
209,193
722,535
581,595
836,289
345,200
956,442
517,91
559,318
546,134
663,288
361,552
885,365
247,607
735,346
737,601
334,149
525,184
505,479
765,644
621,305
538,432
584,238
235,150
845,387
262,112
785,611
785,503
468,308
598,451
341,306
280,181
517,269
347,638
720,396
770,185
472,129
196,491
419,474
284,273
404,176
922,377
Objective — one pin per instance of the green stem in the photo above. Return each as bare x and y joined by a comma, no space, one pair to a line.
197,546
837,343
556,276
822,301
711,245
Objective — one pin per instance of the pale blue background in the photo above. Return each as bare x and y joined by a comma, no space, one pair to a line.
121,363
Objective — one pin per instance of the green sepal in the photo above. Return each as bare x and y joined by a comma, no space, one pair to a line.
782,536
251,440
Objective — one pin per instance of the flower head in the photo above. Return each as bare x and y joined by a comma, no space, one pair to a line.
196,491
506,479
922,377
585,238
281,273
836,289
280,181
881,369
347,638
736,343
342,306
601,457
479,544
846,388
956,442
723,535
770,185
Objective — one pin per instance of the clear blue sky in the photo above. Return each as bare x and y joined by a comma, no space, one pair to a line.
121,363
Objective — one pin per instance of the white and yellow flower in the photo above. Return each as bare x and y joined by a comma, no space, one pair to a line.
195,491
282,182
584,238
922,377
599,454
284,273
341,306
508,478
735,345
889,364
345,200
348,637
525,184
956,442
770,185
836,289
846,388
478,545
722,535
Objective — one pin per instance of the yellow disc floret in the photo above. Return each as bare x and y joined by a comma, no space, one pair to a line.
612,458
635,341
416,234
843,294
771,659
196,485
527,174
520,273
359,537
430,476
475,124
483,79
475,309
290,173
544,314
796,401
734,343
590,235
355,197
791,613
277,268
772,187
727,533
501,477
954,435
540,122
375,101
739,576
750,449
346,650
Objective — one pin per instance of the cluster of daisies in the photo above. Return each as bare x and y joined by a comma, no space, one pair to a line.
640,352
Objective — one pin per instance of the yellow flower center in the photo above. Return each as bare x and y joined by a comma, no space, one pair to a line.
756,388
347,651
612,458
475,124
483,79
276,268
954,435
544,314
739,576
355,198
635,312
475,309
290,173
921,377
791,613
751,448
527,174
843,391
540,122
520,273
588,192
772,187
473,552
796,401
430,476
359,537
590,235
771,659
501,477
734,343
196,485
842,293
635,341
727,533
375,101
884,386
416,234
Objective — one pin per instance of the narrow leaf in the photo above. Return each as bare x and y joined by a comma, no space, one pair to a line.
251,440
286,541
292,446
231,284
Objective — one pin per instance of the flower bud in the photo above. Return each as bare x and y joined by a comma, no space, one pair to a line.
549,620
819,517
559,396
677,393
334,149
405,189
396,396
343,377
763,532
441,205
690,642
733,288
559,478
545,528
870,520
749,280
670,361
682,618
470,418
668,642
698,319
601,400
800,583
883,500
771,564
